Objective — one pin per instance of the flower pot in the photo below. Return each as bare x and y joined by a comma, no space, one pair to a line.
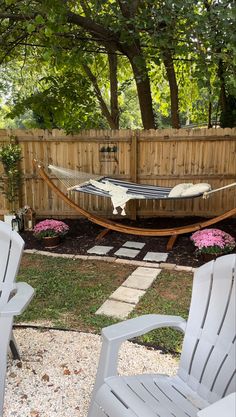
51,241
206,257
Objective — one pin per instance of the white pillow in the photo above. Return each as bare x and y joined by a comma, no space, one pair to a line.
196,189
179,189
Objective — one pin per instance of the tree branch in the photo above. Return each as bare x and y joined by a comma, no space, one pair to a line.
95,29
17,17
129,9
105,111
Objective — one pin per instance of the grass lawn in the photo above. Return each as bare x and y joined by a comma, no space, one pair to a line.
68,292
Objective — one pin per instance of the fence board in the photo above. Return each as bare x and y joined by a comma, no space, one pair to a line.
159,157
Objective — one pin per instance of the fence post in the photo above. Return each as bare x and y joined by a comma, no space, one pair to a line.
134,170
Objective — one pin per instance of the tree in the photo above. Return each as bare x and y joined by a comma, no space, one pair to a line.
62,15
142,31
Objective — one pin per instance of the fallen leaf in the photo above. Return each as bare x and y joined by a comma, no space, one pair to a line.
19,365
66,372
34,413
77,372
12,375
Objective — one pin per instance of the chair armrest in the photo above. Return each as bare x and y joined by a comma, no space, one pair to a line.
115,334
140,325
20,300
225,407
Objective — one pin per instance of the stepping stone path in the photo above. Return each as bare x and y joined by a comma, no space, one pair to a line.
129,250
123,300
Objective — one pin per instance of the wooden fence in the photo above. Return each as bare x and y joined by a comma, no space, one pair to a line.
159,157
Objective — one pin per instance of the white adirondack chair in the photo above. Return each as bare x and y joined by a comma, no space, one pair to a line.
14,297
207,366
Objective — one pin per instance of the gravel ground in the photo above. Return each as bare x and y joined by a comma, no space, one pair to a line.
58,368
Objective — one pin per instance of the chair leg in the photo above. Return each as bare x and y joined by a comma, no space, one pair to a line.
6,326
3,367
14,348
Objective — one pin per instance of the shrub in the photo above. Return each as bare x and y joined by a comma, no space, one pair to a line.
10,156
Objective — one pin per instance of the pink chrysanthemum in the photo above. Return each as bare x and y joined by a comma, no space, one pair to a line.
50,227
213,241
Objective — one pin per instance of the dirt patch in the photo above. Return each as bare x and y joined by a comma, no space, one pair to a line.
82,236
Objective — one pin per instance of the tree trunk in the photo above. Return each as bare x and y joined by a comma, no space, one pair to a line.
174,93
103,35
209,123
133,51
112,58
143,90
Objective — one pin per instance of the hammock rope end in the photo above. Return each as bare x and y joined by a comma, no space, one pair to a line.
38,163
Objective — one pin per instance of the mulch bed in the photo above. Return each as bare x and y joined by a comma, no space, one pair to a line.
83,233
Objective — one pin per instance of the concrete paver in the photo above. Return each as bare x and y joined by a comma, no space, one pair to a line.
155,256
183,268
128,253
30,251
125,261
100,250
127,295
84,257
146,272
115,308
167,266
139,282
133,245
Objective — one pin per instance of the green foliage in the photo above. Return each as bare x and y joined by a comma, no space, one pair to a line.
10,156
61,101
48,38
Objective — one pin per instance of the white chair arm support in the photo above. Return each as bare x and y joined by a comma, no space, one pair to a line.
116,334
19,301
226,407
140,325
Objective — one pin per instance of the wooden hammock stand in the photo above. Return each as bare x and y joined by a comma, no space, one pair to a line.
118,227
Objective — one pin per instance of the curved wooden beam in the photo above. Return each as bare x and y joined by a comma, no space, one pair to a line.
118,227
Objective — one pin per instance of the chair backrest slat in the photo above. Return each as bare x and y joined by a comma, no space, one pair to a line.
208,360
11,248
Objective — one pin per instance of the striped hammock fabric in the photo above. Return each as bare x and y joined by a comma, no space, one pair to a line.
120,192
138,191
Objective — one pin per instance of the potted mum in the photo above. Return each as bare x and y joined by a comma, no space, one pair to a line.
50,232
211,243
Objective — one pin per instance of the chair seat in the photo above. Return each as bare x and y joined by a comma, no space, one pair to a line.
147,396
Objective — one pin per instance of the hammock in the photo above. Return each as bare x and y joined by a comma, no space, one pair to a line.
122,191
133,230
